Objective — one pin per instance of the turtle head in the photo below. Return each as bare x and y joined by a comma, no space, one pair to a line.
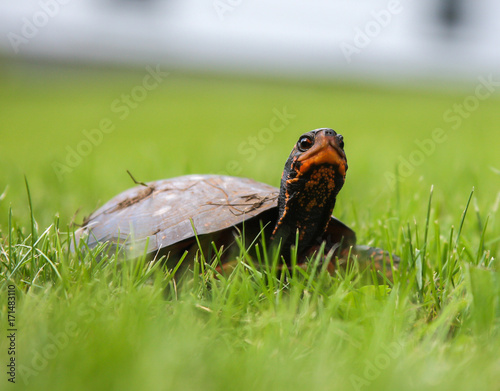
313,175
320,147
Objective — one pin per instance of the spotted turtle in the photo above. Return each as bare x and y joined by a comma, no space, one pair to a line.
188,213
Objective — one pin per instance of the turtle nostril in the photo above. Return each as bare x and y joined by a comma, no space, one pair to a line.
329,132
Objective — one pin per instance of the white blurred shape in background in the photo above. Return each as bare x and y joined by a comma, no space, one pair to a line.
405,39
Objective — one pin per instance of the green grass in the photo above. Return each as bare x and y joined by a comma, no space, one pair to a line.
119,325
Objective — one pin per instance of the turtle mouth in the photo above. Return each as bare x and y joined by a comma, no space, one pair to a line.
326,150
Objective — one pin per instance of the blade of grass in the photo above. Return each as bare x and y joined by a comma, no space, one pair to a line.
427,219
33,223
200,249
480,248
463,218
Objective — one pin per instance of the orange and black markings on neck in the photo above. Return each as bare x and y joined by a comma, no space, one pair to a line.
318,194
314,202
319,189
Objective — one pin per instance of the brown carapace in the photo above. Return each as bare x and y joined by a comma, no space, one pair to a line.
169,217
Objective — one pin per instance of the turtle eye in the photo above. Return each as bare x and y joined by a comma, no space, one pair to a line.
341,141
305,142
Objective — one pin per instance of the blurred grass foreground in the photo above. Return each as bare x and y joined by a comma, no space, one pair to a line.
120,325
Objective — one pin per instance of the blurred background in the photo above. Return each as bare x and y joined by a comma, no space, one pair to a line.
168,87
384,38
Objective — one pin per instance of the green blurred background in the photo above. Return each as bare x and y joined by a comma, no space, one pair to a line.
204,123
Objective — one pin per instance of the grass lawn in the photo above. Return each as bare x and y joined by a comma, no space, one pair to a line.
128,325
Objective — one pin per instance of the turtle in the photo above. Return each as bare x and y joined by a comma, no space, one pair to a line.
192,212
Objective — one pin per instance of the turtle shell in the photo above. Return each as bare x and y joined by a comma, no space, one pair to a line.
167,212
